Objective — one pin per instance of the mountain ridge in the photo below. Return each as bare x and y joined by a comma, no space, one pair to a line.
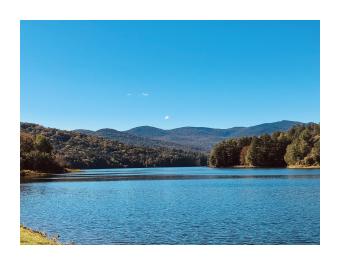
188,137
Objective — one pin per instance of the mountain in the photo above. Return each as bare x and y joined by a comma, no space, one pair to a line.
204,138
187,138
147,131
268,128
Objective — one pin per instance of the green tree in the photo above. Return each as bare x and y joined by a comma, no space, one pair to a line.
227,153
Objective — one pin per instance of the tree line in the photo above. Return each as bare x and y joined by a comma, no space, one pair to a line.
300,146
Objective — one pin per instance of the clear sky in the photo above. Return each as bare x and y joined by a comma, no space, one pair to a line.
168,74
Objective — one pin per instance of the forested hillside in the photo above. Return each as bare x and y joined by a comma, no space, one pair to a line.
300,146
78,150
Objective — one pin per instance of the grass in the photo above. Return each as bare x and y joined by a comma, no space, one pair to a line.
31,237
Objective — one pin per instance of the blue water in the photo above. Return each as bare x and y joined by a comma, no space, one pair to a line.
177,206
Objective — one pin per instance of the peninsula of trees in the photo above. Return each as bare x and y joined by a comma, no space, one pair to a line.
299,147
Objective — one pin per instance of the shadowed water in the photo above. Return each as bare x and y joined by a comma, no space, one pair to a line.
187,206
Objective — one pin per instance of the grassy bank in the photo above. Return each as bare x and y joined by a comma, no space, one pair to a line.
31,237
306,167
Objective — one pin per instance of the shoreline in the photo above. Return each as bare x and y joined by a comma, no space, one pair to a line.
26,174
287,167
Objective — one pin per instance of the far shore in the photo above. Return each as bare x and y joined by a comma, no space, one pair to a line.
26,174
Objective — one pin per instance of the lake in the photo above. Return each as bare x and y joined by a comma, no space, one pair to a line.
195,205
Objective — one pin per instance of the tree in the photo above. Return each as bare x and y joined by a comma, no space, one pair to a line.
243,156
255,154
42,144
26,143
227,153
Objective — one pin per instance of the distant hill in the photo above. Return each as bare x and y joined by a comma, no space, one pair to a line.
187,138
147,131
137,140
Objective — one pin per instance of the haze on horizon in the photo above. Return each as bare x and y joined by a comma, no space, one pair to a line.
169,74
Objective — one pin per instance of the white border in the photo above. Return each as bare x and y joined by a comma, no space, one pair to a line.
13,11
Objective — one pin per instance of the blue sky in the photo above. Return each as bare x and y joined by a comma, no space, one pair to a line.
168,74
